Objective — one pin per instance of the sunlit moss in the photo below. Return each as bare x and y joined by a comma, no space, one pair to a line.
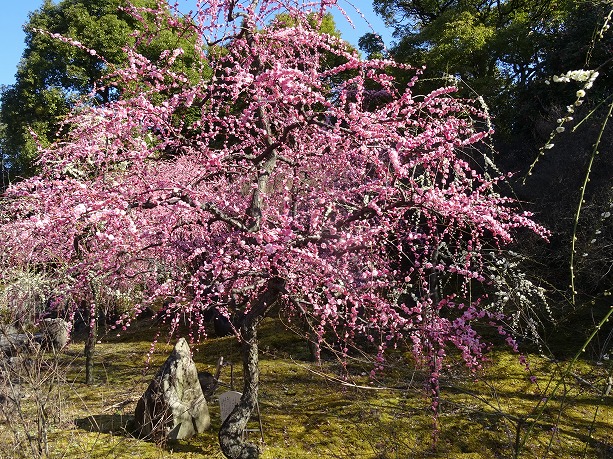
314,410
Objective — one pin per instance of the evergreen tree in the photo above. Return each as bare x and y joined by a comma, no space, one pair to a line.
53,75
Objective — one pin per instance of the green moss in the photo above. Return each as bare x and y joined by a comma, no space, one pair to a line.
310,410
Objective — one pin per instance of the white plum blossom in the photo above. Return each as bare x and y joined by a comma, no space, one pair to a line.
576,75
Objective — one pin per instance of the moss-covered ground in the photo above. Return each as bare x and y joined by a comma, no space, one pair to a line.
330,410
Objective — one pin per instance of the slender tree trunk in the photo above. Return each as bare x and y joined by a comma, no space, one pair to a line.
435,296
91,317
90,344
43,427
231,439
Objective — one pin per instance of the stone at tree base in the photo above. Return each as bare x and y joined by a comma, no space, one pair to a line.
55,333
173,407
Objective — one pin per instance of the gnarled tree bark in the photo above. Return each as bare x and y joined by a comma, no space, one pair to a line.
231,439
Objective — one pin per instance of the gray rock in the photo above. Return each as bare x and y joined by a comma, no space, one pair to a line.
173,407
10,395
11,345
11,369
8,329
55,333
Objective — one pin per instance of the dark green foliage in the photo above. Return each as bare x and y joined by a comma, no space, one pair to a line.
508,52
372,44
500,49
556,182
53,75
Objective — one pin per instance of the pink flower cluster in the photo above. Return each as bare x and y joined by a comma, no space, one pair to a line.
299,160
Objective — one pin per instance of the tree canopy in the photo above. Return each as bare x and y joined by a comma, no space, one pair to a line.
496,47
323,190
53,75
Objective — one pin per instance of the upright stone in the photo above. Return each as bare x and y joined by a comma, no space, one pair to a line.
55,333
173,406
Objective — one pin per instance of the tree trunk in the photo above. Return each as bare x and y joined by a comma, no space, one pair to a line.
231,439
90,344
435,296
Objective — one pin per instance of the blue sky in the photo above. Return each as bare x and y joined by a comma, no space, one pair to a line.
15,14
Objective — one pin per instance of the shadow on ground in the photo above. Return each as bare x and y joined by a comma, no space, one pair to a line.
106,423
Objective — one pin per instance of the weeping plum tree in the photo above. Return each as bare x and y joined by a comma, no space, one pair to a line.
302,182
